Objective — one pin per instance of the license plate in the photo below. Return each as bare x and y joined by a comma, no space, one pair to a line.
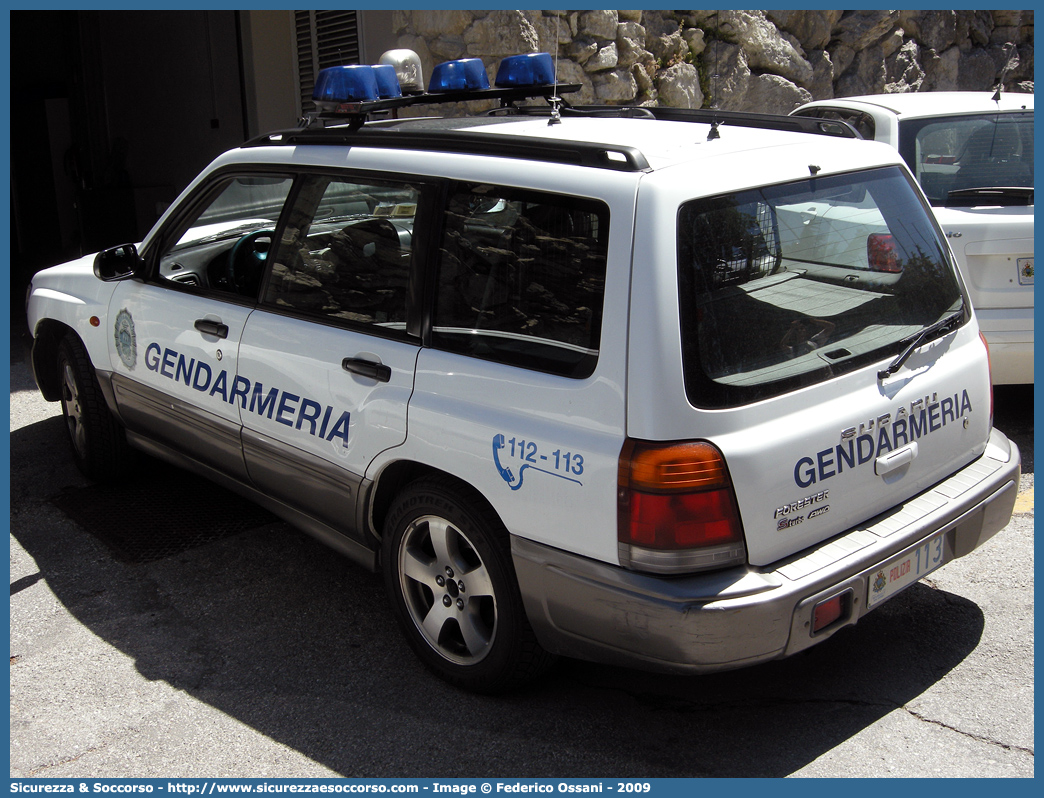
904,570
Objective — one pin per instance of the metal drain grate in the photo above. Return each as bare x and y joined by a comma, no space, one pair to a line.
162,513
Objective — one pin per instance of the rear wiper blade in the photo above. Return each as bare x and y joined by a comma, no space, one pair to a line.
938,329
1014,194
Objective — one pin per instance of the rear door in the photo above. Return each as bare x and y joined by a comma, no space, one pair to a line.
327,361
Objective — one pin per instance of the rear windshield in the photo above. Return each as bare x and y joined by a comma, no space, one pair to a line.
790,285
967,160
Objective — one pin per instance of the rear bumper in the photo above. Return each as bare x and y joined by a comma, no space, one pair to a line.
728,619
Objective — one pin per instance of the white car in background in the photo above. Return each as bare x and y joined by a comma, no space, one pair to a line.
972,153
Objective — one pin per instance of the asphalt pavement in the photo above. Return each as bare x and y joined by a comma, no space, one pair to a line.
257,652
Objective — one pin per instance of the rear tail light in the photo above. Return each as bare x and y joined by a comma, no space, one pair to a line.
989,370
677,511
882,253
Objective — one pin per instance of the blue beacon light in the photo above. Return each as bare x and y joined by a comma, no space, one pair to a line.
387,81
342,84
528,69
464,74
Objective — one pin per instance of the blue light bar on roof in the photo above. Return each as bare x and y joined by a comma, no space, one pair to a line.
529,69
341,84
464,74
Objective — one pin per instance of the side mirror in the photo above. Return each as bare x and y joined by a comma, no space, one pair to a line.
118,262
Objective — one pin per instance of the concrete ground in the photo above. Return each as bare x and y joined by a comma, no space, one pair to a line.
263,654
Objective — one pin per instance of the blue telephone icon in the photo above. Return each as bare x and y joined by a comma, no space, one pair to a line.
509,478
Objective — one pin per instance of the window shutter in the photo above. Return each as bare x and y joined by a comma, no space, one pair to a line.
324,39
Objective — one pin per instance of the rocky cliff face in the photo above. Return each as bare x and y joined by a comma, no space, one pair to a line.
769,61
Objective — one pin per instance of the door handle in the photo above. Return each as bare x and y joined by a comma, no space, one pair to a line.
208,327
367,368
887,463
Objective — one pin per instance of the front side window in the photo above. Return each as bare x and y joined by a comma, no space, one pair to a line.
521,278
222,245
789,285
345,253
963,160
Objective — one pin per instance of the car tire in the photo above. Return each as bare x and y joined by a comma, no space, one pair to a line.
99,446
448,571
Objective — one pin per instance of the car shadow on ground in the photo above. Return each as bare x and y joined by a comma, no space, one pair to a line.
282,634
1013,415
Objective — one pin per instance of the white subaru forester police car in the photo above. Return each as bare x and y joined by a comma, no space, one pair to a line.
676,390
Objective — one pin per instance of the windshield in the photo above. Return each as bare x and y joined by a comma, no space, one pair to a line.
962,160
789,285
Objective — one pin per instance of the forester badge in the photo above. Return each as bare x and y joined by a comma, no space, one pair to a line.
126,343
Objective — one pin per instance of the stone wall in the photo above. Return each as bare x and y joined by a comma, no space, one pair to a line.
769,61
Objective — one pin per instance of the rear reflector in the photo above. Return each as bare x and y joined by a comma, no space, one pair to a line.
828,612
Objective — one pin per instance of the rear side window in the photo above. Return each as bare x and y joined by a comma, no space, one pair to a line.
790,285
345,254
962,160
521,278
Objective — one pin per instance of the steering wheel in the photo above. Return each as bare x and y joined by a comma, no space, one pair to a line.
247,257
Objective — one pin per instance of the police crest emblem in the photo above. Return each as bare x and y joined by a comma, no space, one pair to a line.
880,582
126,343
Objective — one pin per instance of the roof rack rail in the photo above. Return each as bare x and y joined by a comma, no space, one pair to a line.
357,113
707,116
620,158
796,124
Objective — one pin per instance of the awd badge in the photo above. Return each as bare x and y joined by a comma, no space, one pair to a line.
126,343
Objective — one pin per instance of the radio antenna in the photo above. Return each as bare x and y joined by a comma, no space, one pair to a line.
717,72
1008,51
554,99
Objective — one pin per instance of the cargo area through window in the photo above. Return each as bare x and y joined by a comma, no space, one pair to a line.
790,285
